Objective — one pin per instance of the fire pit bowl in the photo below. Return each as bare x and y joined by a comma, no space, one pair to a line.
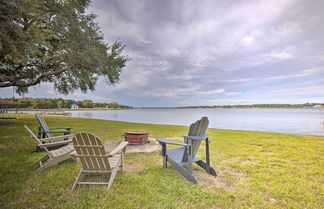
136,137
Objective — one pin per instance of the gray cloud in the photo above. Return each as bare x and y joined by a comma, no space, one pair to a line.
213,52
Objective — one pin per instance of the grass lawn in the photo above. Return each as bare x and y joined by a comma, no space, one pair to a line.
256,170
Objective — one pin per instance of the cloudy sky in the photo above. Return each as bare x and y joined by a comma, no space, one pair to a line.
211,52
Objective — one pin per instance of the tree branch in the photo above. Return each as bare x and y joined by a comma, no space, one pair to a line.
33,82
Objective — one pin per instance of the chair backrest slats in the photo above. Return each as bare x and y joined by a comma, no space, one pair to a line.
102,162
196,129
92,157
43,125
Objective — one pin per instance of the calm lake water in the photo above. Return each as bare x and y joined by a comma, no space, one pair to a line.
300,121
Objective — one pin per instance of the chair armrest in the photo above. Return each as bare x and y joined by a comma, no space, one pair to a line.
164,141
117,149
60,128
196,137
53,132
52,144
57,138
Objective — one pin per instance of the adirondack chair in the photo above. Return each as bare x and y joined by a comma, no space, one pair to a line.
52,157
181,158
95,160
45,132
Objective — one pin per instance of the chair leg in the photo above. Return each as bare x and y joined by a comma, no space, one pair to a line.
165,156
45,157
53,161
78,178
165,161
207,167
190,159
184,172
122,161
112,176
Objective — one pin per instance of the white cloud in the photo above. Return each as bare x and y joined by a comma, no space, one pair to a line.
310,90
303,73
281,54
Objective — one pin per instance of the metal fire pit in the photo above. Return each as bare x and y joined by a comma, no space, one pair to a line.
136,137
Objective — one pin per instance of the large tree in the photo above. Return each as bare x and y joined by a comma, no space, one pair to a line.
54,41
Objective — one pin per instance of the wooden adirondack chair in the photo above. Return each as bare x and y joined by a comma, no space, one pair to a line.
95,160
181,158
52,157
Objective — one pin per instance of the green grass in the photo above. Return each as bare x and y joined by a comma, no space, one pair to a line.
256,170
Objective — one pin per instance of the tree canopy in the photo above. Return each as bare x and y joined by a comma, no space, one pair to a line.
57,42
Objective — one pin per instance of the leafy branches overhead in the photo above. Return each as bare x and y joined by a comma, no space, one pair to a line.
54,41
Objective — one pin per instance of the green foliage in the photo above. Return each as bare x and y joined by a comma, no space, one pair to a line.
50,103
255,170
57,42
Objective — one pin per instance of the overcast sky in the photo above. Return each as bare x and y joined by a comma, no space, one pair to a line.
211,52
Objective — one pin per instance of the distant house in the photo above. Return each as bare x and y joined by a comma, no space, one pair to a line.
74,106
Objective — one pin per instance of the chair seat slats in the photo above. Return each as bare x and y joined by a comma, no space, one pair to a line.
87,146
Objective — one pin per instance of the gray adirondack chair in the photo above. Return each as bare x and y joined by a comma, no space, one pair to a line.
45,132
95,160
52,157
181,158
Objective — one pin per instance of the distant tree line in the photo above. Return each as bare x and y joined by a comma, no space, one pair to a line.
306,105
50,103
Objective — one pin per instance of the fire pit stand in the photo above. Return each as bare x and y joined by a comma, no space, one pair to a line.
136,137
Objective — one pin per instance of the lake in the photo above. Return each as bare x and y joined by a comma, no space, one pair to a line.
300,121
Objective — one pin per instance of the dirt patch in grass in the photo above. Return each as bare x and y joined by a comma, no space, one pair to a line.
135,166
145,148
249,162
209,181
129,168
226,178
136,163
3,146
181,202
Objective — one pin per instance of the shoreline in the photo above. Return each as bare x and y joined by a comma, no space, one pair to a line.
161,108
68,109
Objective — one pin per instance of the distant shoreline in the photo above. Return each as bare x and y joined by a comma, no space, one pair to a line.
68,109
228,108
81,109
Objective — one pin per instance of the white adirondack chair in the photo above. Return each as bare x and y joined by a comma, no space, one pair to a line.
52,157
95,160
